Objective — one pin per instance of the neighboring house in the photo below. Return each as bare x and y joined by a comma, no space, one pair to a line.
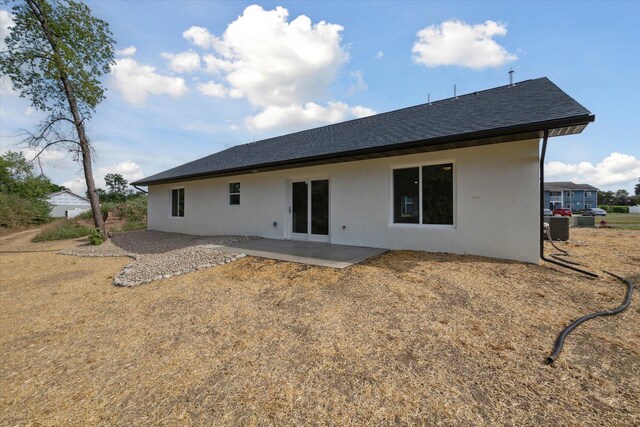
576,197
458,175
64,201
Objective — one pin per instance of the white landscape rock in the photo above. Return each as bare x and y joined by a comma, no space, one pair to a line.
158,255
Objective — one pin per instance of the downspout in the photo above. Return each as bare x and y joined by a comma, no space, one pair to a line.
140,189
542,256
557,348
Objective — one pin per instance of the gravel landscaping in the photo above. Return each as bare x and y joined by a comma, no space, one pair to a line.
158,255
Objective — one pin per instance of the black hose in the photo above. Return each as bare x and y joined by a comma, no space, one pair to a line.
561,251
545,138
566,331
627,301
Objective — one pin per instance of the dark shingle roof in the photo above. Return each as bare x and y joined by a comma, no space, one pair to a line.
567,185
528,106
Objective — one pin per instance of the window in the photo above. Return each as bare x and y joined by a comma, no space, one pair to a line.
177,202
587,206
569,206
587,194
234,193
570,194
406,188
434,205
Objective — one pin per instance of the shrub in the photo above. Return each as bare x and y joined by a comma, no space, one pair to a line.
67,229
615,209
16,210
86,216
134,209
96,237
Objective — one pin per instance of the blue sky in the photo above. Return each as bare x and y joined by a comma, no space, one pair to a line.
193,78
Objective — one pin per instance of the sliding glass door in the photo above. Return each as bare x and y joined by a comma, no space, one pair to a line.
310,210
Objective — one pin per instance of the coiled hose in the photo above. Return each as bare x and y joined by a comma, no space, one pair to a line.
561,251
566,331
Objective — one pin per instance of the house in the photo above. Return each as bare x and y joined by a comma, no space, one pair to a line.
576,197
64,201
459,175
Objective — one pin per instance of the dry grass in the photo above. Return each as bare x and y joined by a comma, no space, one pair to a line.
406,338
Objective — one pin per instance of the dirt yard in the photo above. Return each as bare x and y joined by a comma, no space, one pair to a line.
406,338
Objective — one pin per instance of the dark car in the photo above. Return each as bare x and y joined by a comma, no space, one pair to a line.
562,212
594,212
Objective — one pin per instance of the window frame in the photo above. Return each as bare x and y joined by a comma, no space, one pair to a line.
183,202
419,165
229,193
588,195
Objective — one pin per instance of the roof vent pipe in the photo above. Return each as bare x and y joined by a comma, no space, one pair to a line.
511,76
455,95
429,98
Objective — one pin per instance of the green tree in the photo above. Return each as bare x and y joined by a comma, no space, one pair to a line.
622,197
638,188
22,192
606,198
56,54
17,176
116,183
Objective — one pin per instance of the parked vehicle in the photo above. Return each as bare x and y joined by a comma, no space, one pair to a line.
547,212
563,212
594,212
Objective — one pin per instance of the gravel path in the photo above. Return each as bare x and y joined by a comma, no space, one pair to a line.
158,255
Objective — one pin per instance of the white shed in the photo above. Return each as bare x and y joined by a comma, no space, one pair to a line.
64,201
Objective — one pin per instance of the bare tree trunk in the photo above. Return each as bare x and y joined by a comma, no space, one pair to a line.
85,147
88,176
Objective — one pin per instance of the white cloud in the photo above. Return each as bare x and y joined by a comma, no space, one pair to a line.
128,169
359,111
280,66
137,81
304,116
77,185
615,171
457,43
184,62
217,65
6,22
48,157
359,85
201,37
380,54
273,61
6,88
212,88
127,51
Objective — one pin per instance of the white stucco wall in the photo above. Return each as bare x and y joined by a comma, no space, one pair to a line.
495,197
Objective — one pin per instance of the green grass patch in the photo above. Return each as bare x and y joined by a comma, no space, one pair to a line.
627,221
63,230
133,225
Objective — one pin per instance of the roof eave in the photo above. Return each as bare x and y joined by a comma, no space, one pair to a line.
557,127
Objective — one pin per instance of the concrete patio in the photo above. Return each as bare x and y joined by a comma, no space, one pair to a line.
313,253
